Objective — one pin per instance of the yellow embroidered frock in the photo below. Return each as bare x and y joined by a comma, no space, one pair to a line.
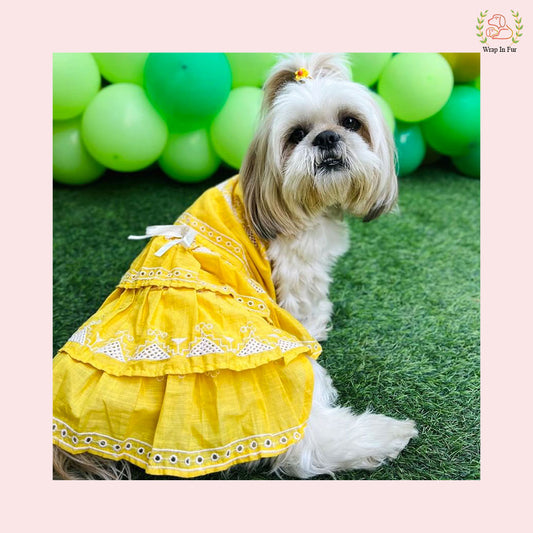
189,366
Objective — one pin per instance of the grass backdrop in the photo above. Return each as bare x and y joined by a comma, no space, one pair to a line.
405,338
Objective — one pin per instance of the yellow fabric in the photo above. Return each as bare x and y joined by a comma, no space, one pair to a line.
189,366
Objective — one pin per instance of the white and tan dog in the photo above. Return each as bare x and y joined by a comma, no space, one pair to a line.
322,149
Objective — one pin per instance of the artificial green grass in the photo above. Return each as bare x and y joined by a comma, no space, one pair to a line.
405,338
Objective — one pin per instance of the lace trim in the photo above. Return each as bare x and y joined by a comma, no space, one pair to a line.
225,189
237,210
217,238
158,346
164,276
187,463
189,278
257,287
160,274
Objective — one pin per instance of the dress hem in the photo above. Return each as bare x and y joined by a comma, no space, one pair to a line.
176,463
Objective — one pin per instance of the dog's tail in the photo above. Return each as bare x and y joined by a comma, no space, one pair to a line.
88,466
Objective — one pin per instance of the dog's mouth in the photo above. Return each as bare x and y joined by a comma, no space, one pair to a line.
329,164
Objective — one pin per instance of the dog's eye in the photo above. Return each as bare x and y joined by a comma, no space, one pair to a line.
351,123
297,135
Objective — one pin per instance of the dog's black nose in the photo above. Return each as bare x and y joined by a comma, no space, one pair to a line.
326,139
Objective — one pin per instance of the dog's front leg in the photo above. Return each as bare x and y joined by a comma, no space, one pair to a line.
301,268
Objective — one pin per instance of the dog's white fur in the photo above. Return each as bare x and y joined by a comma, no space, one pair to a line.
335,439
295,196
301,268
298,206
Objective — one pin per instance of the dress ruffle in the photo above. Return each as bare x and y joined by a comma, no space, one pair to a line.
181,425
190,365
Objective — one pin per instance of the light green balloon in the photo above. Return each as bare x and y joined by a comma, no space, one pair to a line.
366,67
189,157
72,164
122,130
388,115
416,85
76,80
249,69
118,67
233,129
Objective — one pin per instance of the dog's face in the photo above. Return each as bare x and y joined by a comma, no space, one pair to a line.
322,143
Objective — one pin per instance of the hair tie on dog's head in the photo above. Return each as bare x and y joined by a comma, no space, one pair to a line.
301,74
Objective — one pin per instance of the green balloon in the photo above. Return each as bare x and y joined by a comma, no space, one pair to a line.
187,89
410,147
469,162
72,164
189,157
456,127
76,80
250,70
233,129
122,130
366,67
465,66
432,156
416,85
122,67
385,110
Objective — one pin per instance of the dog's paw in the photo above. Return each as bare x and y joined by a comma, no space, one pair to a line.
401,432
384,438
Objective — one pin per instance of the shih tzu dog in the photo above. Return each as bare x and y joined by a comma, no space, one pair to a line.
322,150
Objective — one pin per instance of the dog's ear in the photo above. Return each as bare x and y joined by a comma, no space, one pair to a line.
379,208
265,208
281,75
382,195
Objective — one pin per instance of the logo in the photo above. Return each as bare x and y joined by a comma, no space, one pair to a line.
499,31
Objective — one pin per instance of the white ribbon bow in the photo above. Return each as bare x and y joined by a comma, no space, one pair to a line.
176,234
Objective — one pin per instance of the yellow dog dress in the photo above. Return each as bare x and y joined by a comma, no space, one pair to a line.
190,366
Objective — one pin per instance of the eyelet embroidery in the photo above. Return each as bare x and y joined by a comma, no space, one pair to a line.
220,239
79,336
159,347
157,273
189,463
238,210
152,353
113,349
285,345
